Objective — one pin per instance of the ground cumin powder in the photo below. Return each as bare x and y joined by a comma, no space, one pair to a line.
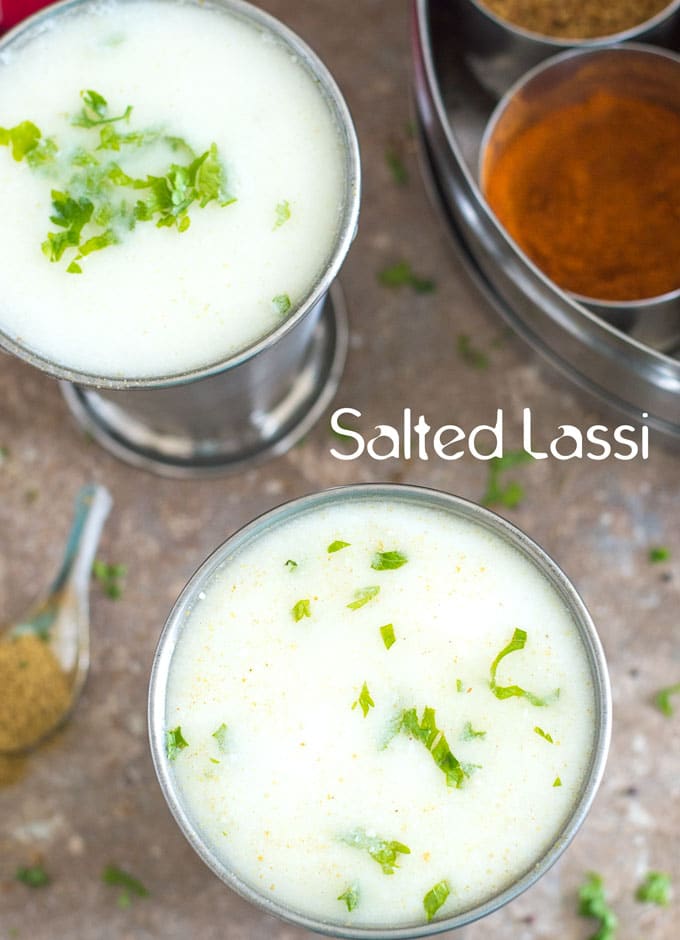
34,691
591,193
575,19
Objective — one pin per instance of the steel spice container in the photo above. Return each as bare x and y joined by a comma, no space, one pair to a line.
425,498
248,406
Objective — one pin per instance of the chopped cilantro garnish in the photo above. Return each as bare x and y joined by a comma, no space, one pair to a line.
214,760
544,734
364,700
469,734
387,634
282,213
174,742
383,852
363,596
110,577
427,732
508,494
337,546
221,737
132,887
593,903
291,565
658,554
435,897
33,876
459,685
518,642
402,275
350,896
395,165
301,609
95,111
470,354
388,561
282,303
90,206
655,889
662,699
557,782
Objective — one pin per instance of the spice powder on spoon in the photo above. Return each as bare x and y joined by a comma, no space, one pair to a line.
591,193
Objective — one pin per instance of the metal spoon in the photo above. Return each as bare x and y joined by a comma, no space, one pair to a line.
45,656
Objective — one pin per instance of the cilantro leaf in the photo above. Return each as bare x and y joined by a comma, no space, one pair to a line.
427,732
435,897
402,275
459,685
387,634
283,303
557,782
221,737
662,700
543,734
301,609
655,889
659,554
132,887
33,876
95,111
337,546
363,596
593,903
364,700
351,897
518,642
469,734
174,742
396,166
22,139
291,565
470,355
388,561
282,213
109,577
509,494
383,852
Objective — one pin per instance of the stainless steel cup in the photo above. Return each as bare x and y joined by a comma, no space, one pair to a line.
251,405
637,71
412,495
499,52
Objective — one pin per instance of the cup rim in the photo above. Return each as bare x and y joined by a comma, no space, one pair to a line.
554,61
461,508
586,43
347,224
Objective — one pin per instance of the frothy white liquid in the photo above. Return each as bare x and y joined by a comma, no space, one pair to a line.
162,302
302,769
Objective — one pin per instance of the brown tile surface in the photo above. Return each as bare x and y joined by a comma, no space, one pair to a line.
91,797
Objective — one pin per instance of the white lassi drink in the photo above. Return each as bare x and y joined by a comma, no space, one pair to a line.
379,711
171,186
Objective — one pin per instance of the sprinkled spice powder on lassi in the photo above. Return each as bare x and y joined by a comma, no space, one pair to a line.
591,191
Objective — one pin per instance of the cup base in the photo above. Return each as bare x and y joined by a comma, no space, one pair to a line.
185,456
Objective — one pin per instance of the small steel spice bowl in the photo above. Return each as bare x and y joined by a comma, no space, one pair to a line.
634,70
414,496
253,404
499,51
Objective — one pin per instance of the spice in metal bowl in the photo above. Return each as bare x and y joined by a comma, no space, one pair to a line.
575,19
591,193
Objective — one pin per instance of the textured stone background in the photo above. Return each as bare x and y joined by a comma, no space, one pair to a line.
90,797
